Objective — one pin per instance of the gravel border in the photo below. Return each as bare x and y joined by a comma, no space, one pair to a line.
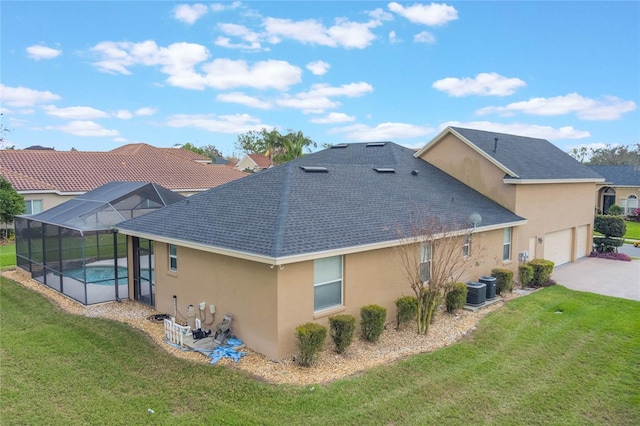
359,356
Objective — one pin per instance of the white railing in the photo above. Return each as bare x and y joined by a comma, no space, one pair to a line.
175,332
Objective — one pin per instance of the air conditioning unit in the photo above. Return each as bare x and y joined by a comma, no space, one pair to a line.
476,293
490,282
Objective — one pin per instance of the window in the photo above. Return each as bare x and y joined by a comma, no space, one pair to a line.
327,290
426,258
173,257
32,206
629,204
506,247
466,247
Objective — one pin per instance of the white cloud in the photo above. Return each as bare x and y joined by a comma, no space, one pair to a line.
243,99
523,129
424,37
383,131
318,67
179,60
609,108
333,117
380,14
252,40
317,100
123,114
219,7
393,37
75,113
145,111
484,84
432,14
189,14
38,52
271,74
24,97
84,128
238,123
344,33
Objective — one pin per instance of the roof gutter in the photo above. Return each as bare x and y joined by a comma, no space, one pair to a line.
283,260
541,181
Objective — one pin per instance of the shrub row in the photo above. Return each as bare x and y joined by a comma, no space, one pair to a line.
311,337
536,273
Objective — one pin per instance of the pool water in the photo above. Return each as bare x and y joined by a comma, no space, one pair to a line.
102,275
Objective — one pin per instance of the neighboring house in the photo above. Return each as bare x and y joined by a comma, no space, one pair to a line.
47,178
621,188
254,163
318,235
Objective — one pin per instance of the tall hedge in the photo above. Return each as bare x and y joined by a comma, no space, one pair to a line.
372,322
504,280
542,270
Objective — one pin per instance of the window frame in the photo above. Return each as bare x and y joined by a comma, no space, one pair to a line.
329,282
506,244
30,208
426,258
466,245
173,257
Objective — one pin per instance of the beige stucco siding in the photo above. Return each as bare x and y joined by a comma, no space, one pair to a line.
468,166
554,207
245,289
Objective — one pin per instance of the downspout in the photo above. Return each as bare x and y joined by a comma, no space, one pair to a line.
115,264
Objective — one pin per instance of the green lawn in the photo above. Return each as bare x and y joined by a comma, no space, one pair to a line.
554,357
633,230
7,256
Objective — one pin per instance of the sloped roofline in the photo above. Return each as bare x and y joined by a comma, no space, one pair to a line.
284,260
470,144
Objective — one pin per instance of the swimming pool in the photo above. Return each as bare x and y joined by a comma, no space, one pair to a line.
101,275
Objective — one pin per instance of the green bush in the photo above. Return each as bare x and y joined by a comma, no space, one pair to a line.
341,328
610,226
525,275
406,310
310,341
372,322
541,271
457,297
607,244
504,280
615,210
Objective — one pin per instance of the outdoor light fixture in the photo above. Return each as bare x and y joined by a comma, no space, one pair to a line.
539,240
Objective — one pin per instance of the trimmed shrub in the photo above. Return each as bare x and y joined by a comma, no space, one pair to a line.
525,275
310,341
456,298
607,244
615,210
541,271
406,310
372,322
504,280
341,329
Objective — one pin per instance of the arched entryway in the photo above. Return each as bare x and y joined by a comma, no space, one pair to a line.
608,198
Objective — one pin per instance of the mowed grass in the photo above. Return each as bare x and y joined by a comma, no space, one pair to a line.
633,230
553,357
7,256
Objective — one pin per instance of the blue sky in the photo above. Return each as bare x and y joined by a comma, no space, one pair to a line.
95,75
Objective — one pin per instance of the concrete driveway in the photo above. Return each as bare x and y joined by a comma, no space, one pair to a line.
603,276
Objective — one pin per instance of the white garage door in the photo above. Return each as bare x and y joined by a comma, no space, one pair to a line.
557,246
582,242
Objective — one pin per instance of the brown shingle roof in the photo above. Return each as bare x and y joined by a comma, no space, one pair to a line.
261,160
80,171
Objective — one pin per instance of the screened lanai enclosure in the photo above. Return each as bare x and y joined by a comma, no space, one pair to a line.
74,248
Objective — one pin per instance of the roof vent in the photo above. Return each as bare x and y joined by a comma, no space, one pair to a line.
314,169
384,170
495,144
340,145
414,172
375,144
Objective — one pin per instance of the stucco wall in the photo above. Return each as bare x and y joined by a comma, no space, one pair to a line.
465,164
553,207
245,289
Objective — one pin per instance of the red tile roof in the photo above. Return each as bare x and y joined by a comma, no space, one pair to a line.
80,171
